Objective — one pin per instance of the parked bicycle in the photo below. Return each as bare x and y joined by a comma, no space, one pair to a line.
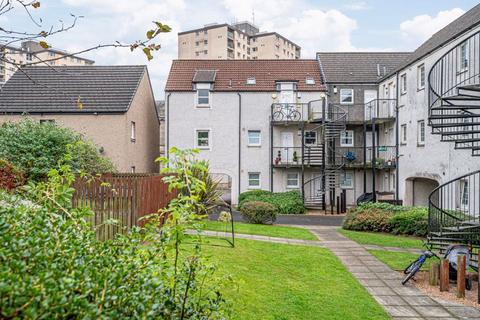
287,112
416,265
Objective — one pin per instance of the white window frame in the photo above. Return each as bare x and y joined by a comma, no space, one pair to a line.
250,186
296,179
209,139
199,87
259,143
420,71
344,135
133,131
403,83
464,194
305,138
421,132
463,48
403,134
342,91
342,180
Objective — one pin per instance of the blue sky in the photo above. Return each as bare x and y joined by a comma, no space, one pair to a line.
350,25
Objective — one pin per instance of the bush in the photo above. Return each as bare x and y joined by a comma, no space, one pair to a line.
10,177
285,202
36,148
258,212
384,217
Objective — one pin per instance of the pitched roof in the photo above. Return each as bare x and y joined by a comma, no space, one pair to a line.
467,21
43,89
232,75
358,67
204,76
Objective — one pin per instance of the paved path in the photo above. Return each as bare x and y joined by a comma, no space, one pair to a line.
296,219
401,302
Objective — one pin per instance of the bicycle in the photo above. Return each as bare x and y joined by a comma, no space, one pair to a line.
289,112
416,265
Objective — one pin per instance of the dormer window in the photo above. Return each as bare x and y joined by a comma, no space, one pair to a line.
251,81
203,82
310,81
203,95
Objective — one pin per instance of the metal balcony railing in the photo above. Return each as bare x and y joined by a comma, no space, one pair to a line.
287,156
385,156
380,109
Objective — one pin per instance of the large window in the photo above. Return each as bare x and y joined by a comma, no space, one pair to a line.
421,133
292,180
202,139
254,180
254,138
403,83
421,77
203,95
310,137
403,134
346,96
463,57
346,181
346,138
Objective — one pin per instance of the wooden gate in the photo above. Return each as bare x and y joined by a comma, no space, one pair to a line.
124,198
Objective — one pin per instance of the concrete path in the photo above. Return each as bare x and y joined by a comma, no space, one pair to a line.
401,302
295,219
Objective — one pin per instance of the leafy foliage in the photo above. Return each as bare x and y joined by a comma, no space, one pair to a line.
10,177
384,217
290,202
258,212
52,266
36,148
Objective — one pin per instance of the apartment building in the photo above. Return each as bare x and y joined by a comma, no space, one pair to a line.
238,41
244,116
117,113
366,151
31,52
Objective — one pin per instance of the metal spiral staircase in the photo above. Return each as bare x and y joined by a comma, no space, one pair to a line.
332,123
454,114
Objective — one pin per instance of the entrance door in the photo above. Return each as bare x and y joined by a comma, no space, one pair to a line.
287,146
369,144
391,95
368,99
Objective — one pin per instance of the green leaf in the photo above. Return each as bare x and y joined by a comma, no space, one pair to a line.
43,44
148,53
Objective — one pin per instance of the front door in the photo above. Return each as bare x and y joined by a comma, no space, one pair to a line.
369,98
369,144
287,147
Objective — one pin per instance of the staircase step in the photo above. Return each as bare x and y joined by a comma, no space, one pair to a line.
472,90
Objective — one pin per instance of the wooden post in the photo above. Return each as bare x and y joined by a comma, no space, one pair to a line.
444,275
434,274
478,294
461,269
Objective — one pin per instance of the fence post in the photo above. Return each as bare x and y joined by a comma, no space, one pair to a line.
434,274
461,269
444,275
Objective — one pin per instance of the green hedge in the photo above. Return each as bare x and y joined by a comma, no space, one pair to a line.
286,202
258,212
384,217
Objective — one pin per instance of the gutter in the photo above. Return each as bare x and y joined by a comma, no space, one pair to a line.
397,140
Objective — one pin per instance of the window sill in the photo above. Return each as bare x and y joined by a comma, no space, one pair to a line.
420,145
132,140
254,145
346,187
420,89
204,106
403,93
293,187
203,148
346,146
253,188
403,143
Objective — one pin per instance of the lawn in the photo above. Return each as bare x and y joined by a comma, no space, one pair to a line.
383,239
279,281
262,230
399,260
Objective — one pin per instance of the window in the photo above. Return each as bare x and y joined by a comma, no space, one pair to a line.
309,81
197,43
346,96
203,94
292,180
203,139
29,57
463,57
254,180
310,137
421,77
403,83
403,134
205,41
205,51
464,191
421,133
346,138
254,138
132,131
251,81
346,180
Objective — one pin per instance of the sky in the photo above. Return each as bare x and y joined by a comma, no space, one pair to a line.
315,25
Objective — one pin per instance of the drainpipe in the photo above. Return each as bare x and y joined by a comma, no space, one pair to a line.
397,140
365,156
271,149
374,160
239,142
167,138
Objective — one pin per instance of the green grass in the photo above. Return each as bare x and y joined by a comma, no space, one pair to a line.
399,260
262,230
278,281
382,239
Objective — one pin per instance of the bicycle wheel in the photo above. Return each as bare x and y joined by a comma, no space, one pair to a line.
414,270
410,266
295,116
277,116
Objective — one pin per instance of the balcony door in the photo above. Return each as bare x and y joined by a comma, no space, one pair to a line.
392,92
287,147
368,99
369,144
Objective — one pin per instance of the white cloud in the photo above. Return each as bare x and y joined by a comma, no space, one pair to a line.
420,28
357,6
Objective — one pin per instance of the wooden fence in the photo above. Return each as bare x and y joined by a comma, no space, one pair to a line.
122,197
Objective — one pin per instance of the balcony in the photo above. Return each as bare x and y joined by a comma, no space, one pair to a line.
382,110
353,157
287,157
294,113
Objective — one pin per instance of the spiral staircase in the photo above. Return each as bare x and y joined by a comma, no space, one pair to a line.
454,114
331,124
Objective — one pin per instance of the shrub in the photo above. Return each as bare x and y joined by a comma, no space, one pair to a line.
290,202
372,219
414,221
258,212
10,177
36,148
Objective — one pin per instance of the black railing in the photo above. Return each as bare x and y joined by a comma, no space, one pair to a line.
315,110
385,156
287,156
380,109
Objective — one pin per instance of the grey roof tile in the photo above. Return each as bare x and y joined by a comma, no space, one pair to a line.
204,76
44,89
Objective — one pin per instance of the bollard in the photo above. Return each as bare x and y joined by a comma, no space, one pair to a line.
434,274
461,270
444,275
